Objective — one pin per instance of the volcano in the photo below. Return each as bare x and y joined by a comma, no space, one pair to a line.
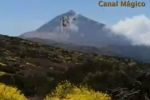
72,30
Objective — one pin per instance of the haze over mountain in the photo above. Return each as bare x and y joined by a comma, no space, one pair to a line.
75,31
74,28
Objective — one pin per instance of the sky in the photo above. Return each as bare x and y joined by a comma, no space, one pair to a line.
20,16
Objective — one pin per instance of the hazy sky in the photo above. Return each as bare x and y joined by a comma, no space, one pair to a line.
19,16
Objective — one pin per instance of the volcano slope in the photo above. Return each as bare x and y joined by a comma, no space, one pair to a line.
36,69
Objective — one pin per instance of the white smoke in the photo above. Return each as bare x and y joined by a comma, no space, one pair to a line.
137,29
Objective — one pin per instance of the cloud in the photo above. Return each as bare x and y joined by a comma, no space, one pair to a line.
136,28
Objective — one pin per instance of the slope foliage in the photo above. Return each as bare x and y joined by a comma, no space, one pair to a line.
36,70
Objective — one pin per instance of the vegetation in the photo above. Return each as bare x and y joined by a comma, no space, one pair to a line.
68,91
37,69
10,93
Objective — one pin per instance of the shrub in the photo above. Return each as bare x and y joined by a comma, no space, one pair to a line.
2,73
10,93
67,91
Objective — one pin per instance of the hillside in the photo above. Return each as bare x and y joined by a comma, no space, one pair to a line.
36,69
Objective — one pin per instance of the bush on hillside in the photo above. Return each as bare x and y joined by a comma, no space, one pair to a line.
10,93
67,91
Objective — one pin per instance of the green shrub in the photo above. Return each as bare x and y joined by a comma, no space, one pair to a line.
67,91
2,73
10,93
